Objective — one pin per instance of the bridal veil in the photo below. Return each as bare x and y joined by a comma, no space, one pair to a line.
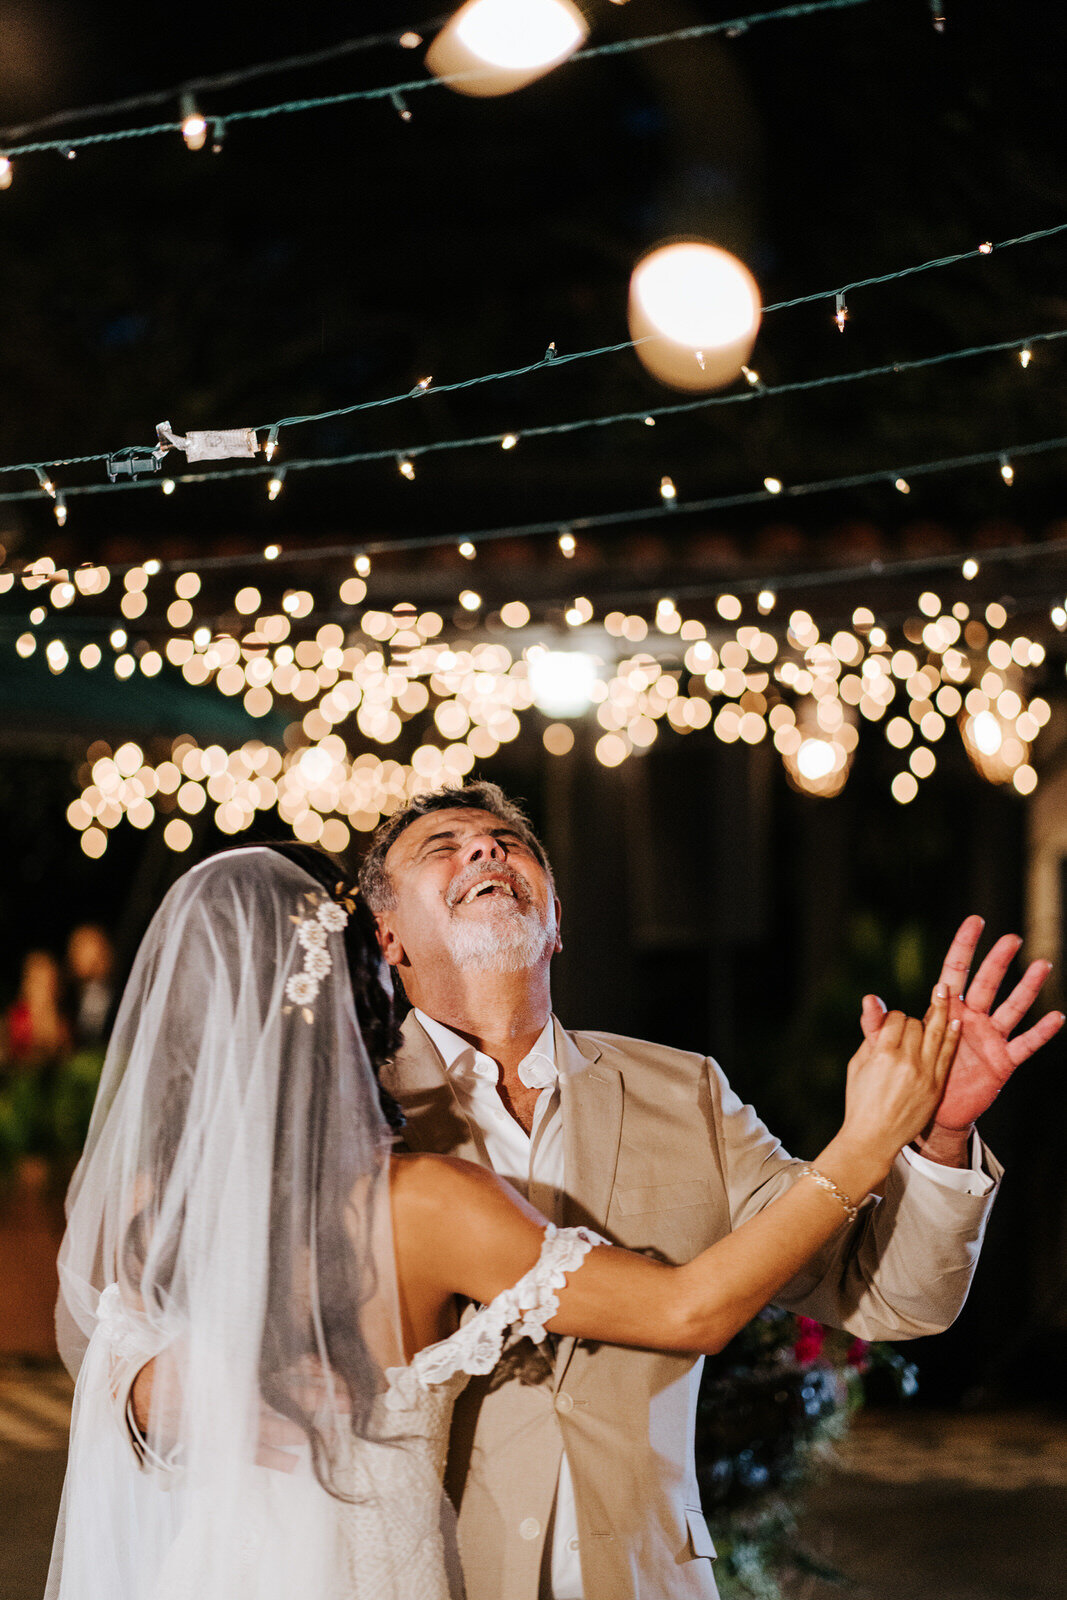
229,1217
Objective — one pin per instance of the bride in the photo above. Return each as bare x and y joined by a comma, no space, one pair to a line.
246,1250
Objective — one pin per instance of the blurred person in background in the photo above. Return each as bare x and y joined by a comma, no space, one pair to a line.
35,1030
90,975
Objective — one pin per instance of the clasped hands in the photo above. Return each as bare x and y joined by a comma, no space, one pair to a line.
987,1055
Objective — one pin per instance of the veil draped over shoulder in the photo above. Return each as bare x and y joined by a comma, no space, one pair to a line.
230,1217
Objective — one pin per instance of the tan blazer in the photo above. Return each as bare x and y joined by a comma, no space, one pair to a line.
660,1154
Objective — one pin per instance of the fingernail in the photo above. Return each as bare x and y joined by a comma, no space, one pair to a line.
941,992
954,1025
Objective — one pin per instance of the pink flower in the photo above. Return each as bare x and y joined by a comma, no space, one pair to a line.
809,1341
856,1355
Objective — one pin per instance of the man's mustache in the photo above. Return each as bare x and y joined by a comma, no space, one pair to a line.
478,873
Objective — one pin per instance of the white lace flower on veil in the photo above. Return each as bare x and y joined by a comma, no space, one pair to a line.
312,935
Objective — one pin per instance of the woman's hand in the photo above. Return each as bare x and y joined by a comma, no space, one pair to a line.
896,1080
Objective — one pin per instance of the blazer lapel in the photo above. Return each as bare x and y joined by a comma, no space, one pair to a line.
417,1080
591,1099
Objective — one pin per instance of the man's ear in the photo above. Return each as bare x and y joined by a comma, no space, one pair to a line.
389,940
559,919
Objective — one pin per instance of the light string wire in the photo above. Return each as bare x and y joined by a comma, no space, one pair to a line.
554,359
221,80
735,25
740,583
572,524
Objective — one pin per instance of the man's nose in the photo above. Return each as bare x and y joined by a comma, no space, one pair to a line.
484,848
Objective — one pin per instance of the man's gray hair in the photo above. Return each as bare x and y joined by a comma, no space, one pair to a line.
374,880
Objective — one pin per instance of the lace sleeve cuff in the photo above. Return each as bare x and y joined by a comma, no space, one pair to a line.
519,1312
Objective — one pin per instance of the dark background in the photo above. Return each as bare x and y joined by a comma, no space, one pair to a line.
336,256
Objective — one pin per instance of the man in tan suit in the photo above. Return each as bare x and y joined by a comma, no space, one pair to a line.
572,1470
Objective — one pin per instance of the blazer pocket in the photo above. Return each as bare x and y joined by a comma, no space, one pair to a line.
699,1537
662,1197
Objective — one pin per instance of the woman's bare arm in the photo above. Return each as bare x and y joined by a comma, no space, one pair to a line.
461,1230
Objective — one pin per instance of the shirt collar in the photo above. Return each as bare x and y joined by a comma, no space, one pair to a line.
464,1064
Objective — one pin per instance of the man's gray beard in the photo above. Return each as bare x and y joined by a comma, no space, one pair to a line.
509,943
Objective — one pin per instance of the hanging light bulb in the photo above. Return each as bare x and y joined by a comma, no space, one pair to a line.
362,565
694,314
168,486
7,172
841,311
467,550
271,446
509,441
194,126
667,489
45,481
1026,355
276,485
504,44
406,467
1007,471
60,509
568,544
902,486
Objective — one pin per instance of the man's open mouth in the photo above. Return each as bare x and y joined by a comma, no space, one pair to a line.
487,888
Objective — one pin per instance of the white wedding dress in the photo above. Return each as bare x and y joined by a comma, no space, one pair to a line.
394,1536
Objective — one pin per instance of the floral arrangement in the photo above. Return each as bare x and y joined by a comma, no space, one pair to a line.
771,1405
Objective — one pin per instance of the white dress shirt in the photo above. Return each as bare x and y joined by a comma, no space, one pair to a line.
534,1163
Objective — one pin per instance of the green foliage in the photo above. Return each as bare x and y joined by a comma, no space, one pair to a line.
45,1112
771,1404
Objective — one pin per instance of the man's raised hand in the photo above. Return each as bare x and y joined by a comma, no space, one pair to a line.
987,1054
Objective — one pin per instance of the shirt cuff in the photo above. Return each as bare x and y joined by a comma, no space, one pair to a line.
965,1180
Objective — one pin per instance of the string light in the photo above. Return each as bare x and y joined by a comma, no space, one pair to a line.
194,126
902,486
841,311
400,106
1026,355
469,600
362,565
410,40
969,568
60,509
752,377
276,484
491,47
168,486
272,552
1007,471
694,312
467,550
773,485
45,481
509,441
272,443
568,544
765,601
667,489
7,172
422,385
406,467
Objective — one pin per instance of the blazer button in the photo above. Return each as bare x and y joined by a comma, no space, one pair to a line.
529,1529
564,1403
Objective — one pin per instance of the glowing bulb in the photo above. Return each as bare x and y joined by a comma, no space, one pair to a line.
118,639
424,383
693,300
562,682
1026,355
271,446
152,567
194,126
276,485
168,486
751,376
667,489
45,481
568,544
815,759
841,312
969,568
520,39
406,467
469,600
1007,471
986,247
766,600
272,552
60,509
509,441
7,172
362,565
902,486
410,40
467,550
773,485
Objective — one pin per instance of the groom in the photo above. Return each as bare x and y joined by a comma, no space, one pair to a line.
576,1481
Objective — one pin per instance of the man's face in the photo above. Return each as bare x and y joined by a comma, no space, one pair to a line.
470,896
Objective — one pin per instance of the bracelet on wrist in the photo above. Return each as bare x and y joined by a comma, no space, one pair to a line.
850,1208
